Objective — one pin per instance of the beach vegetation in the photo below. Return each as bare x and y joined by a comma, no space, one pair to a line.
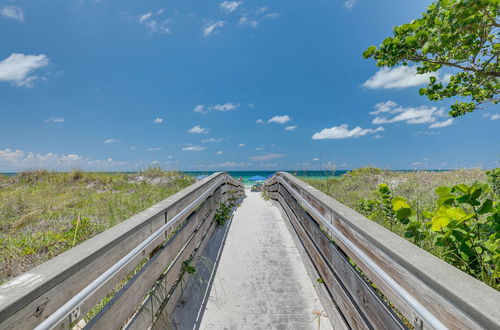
43,213
454,215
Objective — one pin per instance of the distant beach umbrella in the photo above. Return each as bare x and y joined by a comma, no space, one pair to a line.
257,178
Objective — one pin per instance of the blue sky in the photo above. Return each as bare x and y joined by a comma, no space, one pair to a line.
220,85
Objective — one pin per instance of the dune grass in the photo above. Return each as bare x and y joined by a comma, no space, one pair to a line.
418,187
468,239
43,213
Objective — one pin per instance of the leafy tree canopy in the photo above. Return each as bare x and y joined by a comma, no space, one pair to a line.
460,34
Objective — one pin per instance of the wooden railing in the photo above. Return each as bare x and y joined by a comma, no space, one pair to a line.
372,278
132,271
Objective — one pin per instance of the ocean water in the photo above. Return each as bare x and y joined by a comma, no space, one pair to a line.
246,175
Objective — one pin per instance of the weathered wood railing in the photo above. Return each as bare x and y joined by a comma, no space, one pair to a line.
372,278
133,270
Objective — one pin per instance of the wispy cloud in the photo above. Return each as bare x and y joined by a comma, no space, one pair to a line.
253,17
158,121
20,160
193,148
349,4
154,149
212,27
443,123
198,130
220,152
55,120
492,116
225,107
241,145
291,128
390,112
343,132
155,23
266,157
211,140
230,6
12,12
260,121
280,119
108,141
398,77
18,69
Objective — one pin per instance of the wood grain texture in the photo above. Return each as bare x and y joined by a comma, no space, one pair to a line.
30,298
455,298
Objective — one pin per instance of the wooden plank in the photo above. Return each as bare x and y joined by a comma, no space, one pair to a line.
349,310
335,316
142,319
371,305
33,296
442,289
125,302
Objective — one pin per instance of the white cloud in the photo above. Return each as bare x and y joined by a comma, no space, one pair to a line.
17,69
443,123
12,12
280,119
245,20
315,159
224,107
230,164
392,113
252,18
211,27
198,130
267,157
241,145
291,128
260,121
211,140
492,116
144,17
220,152
193,148
398,77
229,6
343,132
153,24
16,160
259,148
349,4
229,106
200,108
55,120
158,121
154,149
108,141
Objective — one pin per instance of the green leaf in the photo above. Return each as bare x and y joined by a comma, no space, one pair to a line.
462,188
443,190
399,203
369,51
487,207
403,214
445,199
456,213
439,222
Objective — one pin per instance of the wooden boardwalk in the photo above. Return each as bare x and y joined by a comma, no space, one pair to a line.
261,281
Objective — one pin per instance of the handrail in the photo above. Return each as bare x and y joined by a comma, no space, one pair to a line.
72,306
419,287
423,312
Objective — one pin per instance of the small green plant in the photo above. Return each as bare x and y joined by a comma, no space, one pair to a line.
223,213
